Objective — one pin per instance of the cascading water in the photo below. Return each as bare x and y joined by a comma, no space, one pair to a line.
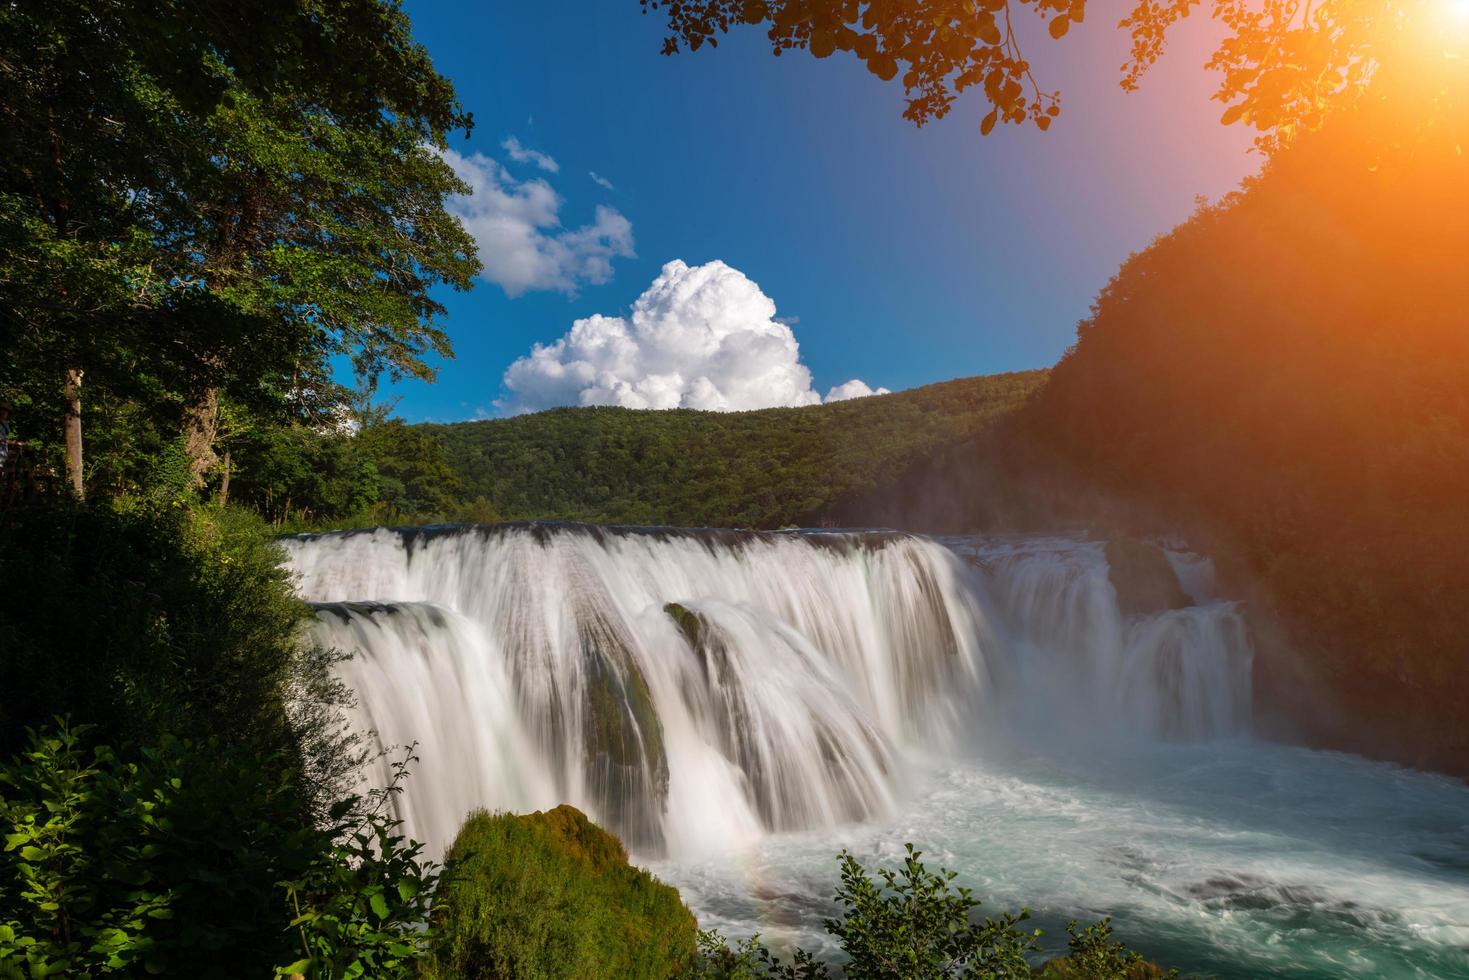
1174,673
688,689
740,705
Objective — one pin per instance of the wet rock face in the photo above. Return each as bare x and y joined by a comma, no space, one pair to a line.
725,701
1143,577
627,769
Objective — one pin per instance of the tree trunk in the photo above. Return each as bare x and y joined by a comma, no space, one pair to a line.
73,427
201,422
224,480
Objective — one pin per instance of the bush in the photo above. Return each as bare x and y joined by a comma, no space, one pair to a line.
144,619
1095,955
197,827
193,861
552,895
913,924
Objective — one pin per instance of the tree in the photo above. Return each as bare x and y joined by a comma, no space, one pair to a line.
323,209
1285,64
233,194
414,479
75,260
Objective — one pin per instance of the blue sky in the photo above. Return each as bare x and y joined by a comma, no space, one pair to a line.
895,255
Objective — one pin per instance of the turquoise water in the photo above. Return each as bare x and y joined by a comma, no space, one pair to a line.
1235,859
987,698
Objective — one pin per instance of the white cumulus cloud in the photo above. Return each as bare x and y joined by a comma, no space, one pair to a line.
853,389
701,337
600,181
522,243
522,154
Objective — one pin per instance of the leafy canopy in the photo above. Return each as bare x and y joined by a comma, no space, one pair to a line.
1285,64
222,197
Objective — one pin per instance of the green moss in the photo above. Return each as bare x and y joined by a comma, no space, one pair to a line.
687,621
552,895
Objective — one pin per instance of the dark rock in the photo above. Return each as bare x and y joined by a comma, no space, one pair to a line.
627,768
1143,577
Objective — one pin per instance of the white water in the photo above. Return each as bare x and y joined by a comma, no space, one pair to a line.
984,698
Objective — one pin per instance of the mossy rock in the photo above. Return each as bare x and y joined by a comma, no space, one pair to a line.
552,895
1143,577
725,699
626,766
687,621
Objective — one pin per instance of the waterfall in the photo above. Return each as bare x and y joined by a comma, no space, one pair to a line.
698,689
1173,674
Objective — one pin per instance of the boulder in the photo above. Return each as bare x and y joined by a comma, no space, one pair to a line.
553,895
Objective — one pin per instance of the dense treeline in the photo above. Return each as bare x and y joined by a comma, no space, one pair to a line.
763,469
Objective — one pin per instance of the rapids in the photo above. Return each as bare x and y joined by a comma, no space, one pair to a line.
738,706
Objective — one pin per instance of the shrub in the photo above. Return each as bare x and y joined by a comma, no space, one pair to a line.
198,826
913,924
193,861
552,895
1095,955
144,619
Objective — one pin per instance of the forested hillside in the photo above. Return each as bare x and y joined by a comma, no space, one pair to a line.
766,468
1288,374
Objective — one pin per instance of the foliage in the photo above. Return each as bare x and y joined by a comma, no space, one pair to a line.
191,860
914,924
143,619
155,192
1285,66
1095,955
1287,376
387,473
414,478
943,47
552,895
361,906
767,468
750,959
296,470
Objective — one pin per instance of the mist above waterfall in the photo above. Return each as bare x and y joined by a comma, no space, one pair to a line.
698,690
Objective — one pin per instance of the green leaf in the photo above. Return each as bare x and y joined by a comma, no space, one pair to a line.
379,905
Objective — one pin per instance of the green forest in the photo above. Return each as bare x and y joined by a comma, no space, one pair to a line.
764,469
